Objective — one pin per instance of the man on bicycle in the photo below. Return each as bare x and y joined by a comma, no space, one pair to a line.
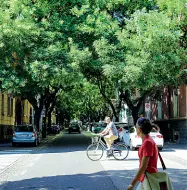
110,134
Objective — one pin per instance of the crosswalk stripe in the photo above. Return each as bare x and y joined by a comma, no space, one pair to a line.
8,157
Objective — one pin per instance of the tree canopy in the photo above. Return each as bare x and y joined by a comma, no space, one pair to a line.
96,48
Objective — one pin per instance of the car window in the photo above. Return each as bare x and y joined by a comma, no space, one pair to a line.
24,128
132,130
154,130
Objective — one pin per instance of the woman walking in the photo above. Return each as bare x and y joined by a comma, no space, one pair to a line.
148,154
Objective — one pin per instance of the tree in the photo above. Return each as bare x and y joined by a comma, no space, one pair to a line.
153,57
82,100
34,49
142,52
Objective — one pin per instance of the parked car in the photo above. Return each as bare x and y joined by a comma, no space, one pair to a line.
121,127
131,138
26,134
55,129
98,127
74,127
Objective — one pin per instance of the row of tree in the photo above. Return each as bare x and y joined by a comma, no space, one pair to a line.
78,54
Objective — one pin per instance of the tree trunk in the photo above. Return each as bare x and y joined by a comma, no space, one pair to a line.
133,107
37,109
113,110
135,111
37,114
49,119
50,111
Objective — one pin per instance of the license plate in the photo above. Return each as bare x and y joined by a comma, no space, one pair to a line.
153,137
23,135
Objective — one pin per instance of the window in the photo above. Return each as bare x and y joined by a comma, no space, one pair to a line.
132,130
159,109
9,106
24,128
12,106
175,104
2,108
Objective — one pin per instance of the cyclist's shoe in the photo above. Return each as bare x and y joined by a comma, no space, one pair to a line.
108,153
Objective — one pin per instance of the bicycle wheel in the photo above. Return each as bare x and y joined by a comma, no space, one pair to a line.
120,151
95,152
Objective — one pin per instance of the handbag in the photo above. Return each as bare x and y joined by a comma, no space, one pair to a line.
158,180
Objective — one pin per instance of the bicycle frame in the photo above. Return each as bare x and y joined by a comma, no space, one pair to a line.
100,142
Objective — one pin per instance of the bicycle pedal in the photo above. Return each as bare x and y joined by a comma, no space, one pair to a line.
109,155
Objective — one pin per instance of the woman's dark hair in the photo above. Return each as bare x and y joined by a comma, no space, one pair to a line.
144,125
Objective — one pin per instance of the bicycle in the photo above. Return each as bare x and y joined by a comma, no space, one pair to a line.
95,151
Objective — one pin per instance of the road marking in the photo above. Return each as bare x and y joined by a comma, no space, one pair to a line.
38,157
8,157
30,165
23,172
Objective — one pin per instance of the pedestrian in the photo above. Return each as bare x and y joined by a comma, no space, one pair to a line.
110,134
148,154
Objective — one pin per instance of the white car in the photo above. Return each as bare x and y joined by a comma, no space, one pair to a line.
131,139
121,126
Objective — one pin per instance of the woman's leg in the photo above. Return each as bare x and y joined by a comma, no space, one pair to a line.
109,139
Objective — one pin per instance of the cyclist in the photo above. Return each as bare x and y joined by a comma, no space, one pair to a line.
110,134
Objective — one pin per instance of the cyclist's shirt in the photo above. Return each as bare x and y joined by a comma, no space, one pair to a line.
113,130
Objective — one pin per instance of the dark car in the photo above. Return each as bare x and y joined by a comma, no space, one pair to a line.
74,127
98,127
55,129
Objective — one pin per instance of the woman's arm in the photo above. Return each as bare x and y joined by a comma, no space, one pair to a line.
141,171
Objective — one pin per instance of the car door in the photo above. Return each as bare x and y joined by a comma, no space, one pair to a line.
126,136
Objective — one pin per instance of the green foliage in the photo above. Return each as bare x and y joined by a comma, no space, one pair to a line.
83,99
153,57
112,43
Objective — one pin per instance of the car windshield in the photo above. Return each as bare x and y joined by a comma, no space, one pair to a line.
24,128
74,124
154,130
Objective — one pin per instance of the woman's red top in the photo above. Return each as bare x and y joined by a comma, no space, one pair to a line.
149,149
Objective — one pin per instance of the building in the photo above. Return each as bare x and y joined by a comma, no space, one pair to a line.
7,115
170,113
24,112
13,111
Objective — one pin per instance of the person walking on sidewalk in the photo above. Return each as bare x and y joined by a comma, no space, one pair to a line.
148,154
110,134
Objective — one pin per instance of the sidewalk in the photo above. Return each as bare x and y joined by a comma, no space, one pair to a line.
9,155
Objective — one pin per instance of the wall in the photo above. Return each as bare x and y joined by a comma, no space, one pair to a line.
7,116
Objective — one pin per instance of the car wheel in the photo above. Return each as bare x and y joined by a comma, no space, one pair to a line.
131,146
13,144
160,148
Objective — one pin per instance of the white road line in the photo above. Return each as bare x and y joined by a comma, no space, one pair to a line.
23,172
30,165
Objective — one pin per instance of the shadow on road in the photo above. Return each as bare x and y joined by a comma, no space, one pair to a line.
105,180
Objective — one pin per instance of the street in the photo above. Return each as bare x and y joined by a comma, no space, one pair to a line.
62,164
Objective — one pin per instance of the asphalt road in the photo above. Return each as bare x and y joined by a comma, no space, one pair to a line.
62,164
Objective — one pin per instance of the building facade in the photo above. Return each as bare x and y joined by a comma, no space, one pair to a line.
7,116
170,113
13,111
